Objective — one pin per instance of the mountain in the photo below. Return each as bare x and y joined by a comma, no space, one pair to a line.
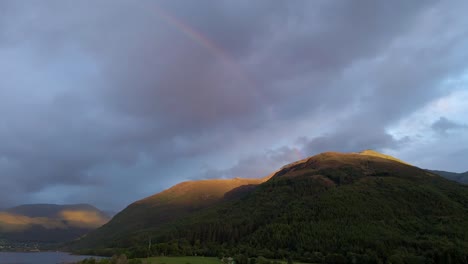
458,177
330,208
49,223
162,208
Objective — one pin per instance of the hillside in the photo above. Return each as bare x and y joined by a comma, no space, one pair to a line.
458,177
49,223
333,208
160,209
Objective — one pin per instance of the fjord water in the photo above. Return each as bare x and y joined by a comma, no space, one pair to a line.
38,257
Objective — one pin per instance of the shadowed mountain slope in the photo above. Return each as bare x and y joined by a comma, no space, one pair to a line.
458,177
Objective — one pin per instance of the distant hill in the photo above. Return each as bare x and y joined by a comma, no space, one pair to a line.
330,208
458,177
49,223
162,208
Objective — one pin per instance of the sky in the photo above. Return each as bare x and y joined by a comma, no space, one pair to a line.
106,102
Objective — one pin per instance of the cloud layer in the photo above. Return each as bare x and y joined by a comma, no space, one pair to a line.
107,102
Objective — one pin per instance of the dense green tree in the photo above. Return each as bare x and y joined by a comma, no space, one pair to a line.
241,259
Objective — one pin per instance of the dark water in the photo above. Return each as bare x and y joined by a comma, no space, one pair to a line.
38,257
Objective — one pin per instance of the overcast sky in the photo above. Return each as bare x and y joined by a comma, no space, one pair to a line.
106,102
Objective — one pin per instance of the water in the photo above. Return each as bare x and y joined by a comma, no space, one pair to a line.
38,258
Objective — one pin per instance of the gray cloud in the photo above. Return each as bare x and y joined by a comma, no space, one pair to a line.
129,97
255,166
443,125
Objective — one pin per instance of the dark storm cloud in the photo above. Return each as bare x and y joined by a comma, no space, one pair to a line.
97,95
443,125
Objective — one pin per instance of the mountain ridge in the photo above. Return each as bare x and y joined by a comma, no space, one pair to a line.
220,186
170,204
454,176
49,223
326,206
46,209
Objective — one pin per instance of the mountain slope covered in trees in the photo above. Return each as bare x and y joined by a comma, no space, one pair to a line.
157,210
332,208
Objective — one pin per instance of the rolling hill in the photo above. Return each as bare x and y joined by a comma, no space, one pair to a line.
49,223
458,177
162,208
330,208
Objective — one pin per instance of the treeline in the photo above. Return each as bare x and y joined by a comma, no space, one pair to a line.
238,259
116,259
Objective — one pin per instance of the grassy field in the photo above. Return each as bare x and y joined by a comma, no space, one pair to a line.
183,260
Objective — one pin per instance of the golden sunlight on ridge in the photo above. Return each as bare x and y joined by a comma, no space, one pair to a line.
16,223
81,218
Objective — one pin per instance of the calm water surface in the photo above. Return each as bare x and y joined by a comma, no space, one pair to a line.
38,258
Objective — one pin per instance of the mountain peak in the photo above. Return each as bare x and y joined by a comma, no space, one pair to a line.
335,154
370,152
351,166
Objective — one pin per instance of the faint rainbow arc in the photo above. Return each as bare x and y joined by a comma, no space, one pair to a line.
299,155
203,41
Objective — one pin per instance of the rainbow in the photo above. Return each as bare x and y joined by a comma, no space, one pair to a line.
298,154
204,41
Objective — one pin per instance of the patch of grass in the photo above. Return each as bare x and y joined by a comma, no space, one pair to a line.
182,260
